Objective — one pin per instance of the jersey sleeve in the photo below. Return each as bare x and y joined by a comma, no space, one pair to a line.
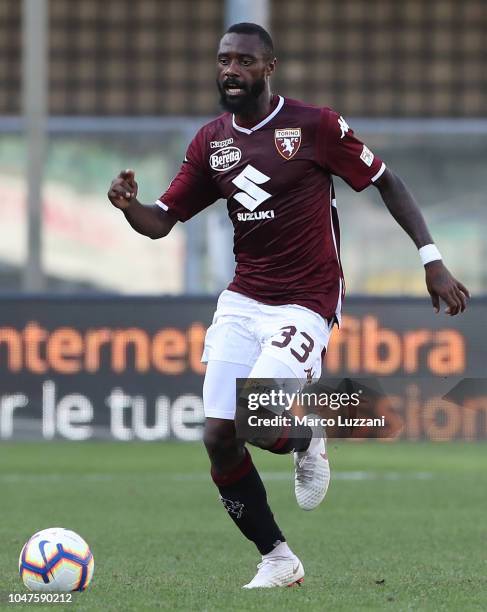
343,154
192,189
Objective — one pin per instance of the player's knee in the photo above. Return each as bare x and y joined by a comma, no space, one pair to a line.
256,430
264,441
219,437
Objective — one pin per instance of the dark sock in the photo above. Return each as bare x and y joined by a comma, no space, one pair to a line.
243,494
293,438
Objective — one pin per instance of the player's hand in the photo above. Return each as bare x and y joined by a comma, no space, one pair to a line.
441,284
123,189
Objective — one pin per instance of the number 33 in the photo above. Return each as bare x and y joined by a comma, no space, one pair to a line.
287,334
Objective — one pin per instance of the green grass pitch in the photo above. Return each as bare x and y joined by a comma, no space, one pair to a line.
404,526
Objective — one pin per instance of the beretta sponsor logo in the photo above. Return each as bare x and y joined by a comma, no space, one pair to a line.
225,158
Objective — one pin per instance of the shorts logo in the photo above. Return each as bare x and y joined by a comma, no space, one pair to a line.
367,156
225,158
309,375
287,141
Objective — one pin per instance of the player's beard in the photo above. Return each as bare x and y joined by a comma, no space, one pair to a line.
246,104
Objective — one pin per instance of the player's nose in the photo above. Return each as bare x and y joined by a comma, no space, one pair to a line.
232,69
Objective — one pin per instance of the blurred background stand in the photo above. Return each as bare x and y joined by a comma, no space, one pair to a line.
34,102
91,87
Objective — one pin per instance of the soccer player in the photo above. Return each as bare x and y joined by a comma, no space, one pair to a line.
272,159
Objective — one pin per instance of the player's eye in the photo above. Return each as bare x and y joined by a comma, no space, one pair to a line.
223,61
247,61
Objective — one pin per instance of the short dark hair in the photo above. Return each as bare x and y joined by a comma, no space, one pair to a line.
257,30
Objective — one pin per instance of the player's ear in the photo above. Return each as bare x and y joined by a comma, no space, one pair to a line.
271,66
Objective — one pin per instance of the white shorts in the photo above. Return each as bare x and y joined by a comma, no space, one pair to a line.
250,339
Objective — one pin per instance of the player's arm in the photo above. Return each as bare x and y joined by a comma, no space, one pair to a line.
190,191
150,221
403,207
343,154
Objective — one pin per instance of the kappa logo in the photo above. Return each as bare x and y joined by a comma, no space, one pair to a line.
287,141
217,144
225,158
343,126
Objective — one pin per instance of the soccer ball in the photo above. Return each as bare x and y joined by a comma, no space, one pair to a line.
56,560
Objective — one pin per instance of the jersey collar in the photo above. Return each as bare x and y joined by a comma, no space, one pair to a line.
269,117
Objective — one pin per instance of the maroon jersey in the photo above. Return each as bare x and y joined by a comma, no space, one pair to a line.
277,180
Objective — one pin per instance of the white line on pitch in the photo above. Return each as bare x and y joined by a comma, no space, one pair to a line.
10,478
334,475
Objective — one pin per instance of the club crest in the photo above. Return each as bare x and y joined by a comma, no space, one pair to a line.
287,141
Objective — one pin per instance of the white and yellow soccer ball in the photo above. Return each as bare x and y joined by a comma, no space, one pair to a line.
56,560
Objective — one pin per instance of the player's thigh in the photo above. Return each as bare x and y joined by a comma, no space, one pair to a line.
231,349
270,373
230,339
219,388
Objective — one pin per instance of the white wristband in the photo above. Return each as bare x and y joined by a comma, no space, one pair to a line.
429,252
